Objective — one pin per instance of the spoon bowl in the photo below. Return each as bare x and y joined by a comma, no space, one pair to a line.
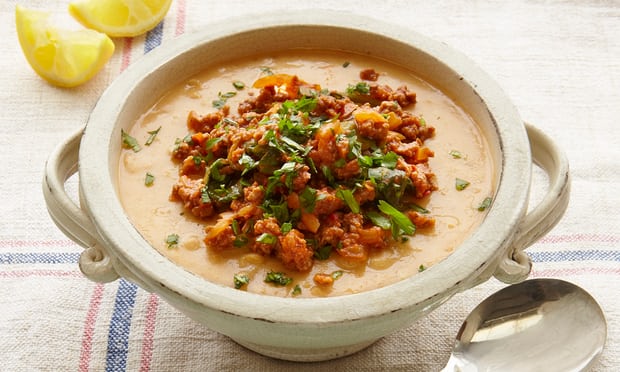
536,325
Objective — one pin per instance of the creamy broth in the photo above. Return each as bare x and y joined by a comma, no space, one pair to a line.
156,217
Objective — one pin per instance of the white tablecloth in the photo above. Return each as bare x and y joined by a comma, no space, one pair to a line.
559,61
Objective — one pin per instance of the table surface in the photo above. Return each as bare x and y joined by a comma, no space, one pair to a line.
559,61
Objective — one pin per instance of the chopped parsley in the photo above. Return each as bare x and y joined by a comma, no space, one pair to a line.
296,291
421,268
172,240
222,98
401,224
266,70
212,142
323,253
130,142
360,88
337,274
278,278
461,184
346,196
152,135
486,203
149,179
239,280
456,154
267,238
239,85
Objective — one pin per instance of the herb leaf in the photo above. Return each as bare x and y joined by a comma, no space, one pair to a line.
222,98
346,196
149,179
397,217
267,238
486,203
308,199
172,240
323,253
379,220
240,280
239,85
212,142
296,290
152,135
461,184
130,142
278,278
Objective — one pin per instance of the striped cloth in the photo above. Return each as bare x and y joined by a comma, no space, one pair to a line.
559,61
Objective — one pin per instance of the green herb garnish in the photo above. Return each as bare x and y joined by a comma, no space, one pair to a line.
152,135
240,280
337,274
461,184
360,88
266,70
278,278
456,154
239,85
267,238
346,196
308,199
212,142
379,219
286,227
486,203
129,142
149,179
172,240
222,98
296,290
397,217
323,253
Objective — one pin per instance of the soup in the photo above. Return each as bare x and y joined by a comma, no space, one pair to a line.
187,186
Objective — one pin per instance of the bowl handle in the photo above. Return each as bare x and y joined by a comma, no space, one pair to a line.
517,265
72,220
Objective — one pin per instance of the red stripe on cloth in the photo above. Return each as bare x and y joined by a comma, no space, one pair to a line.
36,243
89,328
180,28
126,54
149,331
40,273
574,271
572,238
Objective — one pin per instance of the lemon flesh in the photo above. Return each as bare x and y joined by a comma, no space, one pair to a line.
120,18
64,58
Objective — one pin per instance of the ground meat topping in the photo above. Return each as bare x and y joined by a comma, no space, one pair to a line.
300,173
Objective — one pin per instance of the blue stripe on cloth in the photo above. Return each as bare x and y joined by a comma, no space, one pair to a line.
38,258
120,325
153,37
579,255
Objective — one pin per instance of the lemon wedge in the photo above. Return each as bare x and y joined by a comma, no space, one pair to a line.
65,58
120,18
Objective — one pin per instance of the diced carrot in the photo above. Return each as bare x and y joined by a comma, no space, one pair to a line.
366,114
310,221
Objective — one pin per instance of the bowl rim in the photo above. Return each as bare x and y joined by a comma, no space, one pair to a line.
152,270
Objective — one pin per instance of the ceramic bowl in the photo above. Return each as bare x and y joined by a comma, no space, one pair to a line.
304,329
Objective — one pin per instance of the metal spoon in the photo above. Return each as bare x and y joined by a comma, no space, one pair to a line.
536,325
